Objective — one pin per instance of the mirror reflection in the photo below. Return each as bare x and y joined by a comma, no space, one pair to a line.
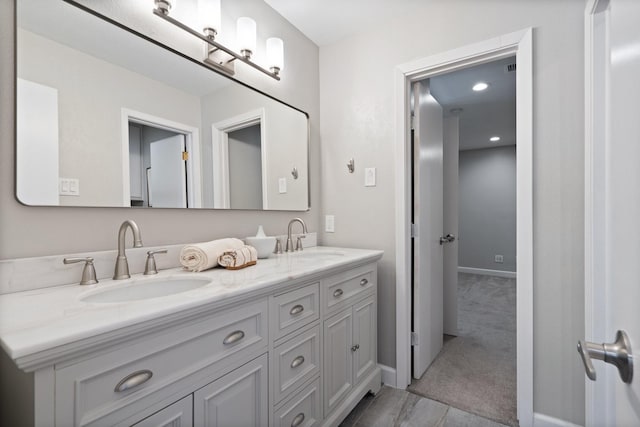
107,118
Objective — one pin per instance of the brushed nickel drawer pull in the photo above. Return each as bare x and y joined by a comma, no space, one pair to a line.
296,309
297,361
298,420
363,282
337,293
133,380
233,337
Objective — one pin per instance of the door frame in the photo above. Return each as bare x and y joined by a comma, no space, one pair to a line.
192,143
595,142
520,44
220,152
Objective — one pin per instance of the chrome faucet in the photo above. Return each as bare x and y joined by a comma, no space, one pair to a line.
122,266
289,247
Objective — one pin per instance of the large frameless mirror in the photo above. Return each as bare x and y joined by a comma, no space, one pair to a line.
109,118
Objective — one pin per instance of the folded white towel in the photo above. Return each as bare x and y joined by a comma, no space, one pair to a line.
238,258
203,256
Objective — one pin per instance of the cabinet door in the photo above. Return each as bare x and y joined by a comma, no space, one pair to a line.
364,338
179,414
338,364
238,399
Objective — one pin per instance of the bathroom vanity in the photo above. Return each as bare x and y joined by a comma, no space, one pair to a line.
288,342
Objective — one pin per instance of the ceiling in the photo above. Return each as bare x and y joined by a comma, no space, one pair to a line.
491,112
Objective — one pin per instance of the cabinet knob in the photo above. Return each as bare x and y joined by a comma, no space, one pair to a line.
233,337
296,309
297,361
297,420
364,282
337,293
133,380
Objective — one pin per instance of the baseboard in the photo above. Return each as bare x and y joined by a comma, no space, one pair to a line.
487,272
540,420
388,375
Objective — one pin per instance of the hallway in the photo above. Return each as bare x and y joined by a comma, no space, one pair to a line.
476,371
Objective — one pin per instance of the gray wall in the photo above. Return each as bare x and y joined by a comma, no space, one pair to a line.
33,231
358,113
245,168
487,209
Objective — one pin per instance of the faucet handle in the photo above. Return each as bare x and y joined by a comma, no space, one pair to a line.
150,265
299,242
88,272
278,248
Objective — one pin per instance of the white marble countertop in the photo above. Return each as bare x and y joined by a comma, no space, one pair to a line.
40,320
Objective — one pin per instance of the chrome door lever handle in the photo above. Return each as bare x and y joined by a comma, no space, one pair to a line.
617,353
449,238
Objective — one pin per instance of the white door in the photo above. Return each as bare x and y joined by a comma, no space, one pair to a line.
427,217
612,294
167,177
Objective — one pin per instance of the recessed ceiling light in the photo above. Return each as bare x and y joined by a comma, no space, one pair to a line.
494,139
480,86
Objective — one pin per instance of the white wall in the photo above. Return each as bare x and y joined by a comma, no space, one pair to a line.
357,109
487,209
29,231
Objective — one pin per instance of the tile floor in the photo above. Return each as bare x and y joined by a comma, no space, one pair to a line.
393,407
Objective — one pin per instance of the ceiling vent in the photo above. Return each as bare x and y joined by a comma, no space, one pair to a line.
510,68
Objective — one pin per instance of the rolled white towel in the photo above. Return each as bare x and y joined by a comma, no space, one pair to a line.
203,256
238,258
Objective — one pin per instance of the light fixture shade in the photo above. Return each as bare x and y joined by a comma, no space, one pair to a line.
246,35
209,15
275,53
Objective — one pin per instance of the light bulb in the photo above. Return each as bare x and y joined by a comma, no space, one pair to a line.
275,54
480,86
246,36
209,17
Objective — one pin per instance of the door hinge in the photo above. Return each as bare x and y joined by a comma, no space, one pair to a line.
185,155
412,122
414,339
414,231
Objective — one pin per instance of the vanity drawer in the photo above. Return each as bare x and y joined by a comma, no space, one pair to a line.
296,361
303,410
295,309
95,389
343,289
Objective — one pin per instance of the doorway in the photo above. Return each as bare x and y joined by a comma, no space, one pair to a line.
520,45
161,161
465,119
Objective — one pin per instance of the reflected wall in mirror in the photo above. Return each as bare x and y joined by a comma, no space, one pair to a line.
107,118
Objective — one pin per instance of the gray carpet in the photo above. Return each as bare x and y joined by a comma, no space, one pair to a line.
476,371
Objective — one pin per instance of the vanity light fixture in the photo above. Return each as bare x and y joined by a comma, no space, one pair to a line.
217,55
480,86
494,139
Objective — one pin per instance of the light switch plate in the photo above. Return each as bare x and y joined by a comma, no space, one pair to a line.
282,185
69,186
370,177
329,223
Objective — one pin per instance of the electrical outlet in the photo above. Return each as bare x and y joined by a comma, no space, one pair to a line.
69,187
329,224
499,259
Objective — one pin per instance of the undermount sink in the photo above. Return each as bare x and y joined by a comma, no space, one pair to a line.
145,289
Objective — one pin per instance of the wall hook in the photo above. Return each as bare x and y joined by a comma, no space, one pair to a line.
351,166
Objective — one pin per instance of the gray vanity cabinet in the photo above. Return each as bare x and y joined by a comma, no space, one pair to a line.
349,334
301,352
238,399
179,414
